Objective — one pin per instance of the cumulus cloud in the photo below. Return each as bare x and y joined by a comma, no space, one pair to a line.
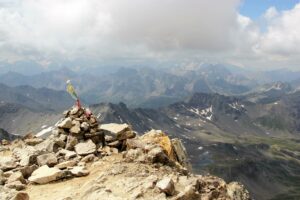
75,27
47,31
283,34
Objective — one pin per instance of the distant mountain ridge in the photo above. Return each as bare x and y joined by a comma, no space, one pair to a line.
152,87
36,99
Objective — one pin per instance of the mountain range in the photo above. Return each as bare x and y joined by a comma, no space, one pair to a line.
233,124
154,87
236,139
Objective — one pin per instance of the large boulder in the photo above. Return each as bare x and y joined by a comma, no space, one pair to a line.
85,148
45,175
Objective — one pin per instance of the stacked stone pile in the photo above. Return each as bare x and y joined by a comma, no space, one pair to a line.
79,124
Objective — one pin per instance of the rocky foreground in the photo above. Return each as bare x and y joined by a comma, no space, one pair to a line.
84,160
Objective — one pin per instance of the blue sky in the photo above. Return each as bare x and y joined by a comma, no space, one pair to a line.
255,8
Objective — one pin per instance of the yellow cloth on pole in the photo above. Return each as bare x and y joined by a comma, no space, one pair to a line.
71,91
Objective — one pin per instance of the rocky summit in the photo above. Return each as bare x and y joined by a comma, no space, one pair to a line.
84,160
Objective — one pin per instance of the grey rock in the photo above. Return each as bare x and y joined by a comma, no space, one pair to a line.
88,158
49,145
27,155
45,175
75,129
79,171
21,196
66,164
85,126
67,154
17,185
47,159
180,152
33,141
74,110
166,185
71,142
157,155
237,191
16,176
66,123
118,131
7,163
63,137
27,170
85,148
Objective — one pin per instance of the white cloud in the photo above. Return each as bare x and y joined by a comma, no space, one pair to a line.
72,28
271,13
53,30
283,35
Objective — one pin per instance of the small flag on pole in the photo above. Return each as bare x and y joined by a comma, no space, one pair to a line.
72,92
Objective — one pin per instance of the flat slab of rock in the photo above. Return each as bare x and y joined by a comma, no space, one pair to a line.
85,148
119,131
45,175
114,128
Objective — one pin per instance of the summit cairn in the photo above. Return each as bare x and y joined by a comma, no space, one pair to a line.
80,129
